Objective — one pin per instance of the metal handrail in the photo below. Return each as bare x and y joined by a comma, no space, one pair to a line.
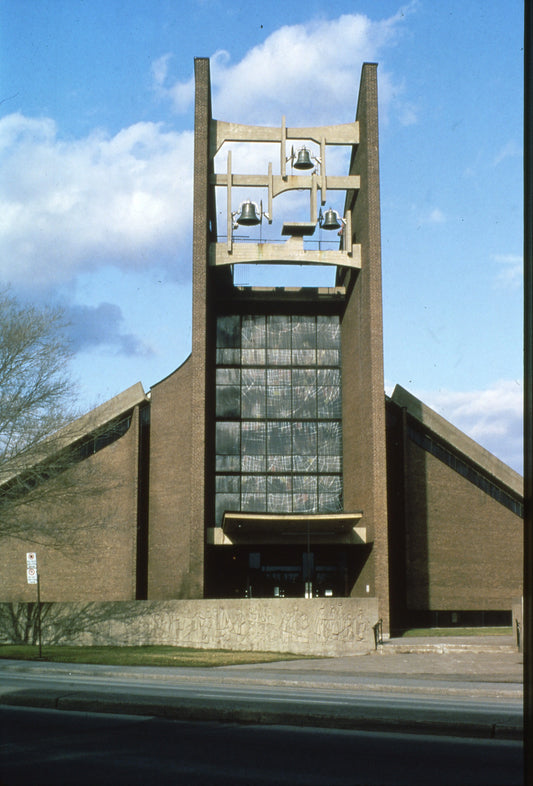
378,633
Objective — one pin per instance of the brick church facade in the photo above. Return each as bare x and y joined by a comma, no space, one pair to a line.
271,463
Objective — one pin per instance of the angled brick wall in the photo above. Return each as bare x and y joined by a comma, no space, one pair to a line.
171,545
97,561
463,548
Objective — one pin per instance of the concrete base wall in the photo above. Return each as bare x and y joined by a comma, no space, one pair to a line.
318,626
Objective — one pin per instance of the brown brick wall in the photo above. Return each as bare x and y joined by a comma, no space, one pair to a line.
201,319
172,482
97,561
362,351
463,548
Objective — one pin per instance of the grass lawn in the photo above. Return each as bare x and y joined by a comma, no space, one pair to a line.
458,632
141,656
183,656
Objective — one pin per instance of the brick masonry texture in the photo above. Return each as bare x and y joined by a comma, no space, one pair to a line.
171,480
463,549
98,559
362,364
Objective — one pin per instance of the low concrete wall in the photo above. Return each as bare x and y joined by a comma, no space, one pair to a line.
317,626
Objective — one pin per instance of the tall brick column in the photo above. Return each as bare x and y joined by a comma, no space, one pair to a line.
200,321
365,467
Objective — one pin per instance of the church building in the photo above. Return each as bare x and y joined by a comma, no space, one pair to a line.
271,463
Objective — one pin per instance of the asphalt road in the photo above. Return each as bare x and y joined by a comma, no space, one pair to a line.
45,747
404,705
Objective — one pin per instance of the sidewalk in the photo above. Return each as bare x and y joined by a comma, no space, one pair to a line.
482,670
485,666
488,665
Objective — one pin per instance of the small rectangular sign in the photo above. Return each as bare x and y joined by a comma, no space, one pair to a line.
31,559
31,573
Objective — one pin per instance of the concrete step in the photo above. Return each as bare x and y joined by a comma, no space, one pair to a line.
494,644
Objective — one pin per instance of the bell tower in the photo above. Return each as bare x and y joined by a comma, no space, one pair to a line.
288,410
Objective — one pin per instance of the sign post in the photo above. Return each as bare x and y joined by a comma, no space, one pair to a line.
32,575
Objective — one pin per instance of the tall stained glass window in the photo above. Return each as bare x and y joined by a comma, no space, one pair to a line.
278,414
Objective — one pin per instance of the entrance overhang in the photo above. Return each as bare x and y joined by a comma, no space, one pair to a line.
288,529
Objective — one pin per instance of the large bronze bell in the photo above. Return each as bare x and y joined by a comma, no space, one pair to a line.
330,220
303,160
248,216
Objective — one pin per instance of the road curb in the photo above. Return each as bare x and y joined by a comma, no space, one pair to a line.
181,709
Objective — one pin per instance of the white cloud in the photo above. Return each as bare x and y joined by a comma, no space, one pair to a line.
160,70
437,216
493,417
181,94
425,215
72,205
69,205
407,113
510,150
311,68
511,270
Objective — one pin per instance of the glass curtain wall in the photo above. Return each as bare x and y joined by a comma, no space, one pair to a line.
278,414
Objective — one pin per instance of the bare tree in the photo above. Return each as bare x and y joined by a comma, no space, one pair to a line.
34,384
67,623
41,450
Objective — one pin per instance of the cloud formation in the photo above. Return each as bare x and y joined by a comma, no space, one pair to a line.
511,270
312,68
510,150
437,216
73,205
493,417
69,206
102,325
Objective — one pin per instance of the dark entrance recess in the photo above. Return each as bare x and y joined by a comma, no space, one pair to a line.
265,571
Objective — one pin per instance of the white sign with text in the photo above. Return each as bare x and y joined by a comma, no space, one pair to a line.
31,567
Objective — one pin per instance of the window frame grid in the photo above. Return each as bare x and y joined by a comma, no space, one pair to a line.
265,461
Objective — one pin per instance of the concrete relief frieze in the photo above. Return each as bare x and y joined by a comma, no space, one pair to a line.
296,627
306,626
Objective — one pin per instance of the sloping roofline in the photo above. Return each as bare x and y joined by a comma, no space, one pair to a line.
458,440
101,415
78,429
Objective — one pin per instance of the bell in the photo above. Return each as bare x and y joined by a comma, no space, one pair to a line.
248,216
330,220
303,161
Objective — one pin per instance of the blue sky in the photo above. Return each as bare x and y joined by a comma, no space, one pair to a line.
96,122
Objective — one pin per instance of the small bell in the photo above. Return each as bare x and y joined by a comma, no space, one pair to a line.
330,220
248,216
303,160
